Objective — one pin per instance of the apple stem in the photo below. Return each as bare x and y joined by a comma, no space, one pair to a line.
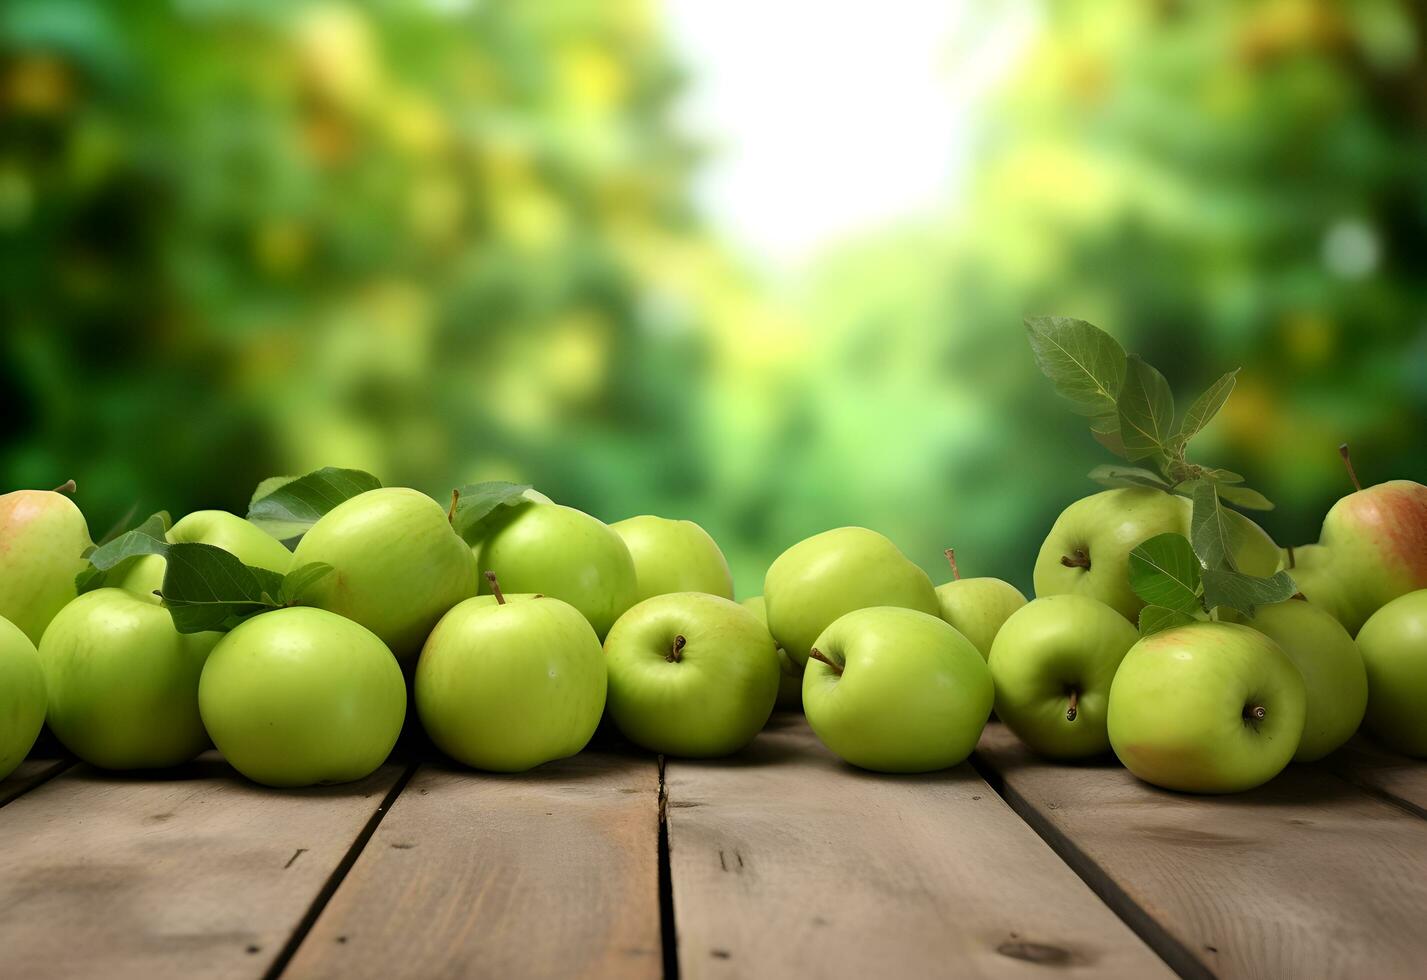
817,654
951,557
495,589
1074,709
451,514
68,486
1255,713
676,654
1078,560
1348,462
1292,559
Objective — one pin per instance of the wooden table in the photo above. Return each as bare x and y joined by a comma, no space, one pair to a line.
779,862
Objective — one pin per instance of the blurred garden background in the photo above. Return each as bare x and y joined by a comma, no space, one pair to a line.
763,266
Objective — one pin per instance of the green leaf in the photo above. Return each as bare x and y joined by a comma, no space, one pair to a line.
1106,430
297,581
479,500
206,588
1209,528
1146,408
146,539
1205,407
1165,572
286,508
1128,476
1154,619
1086,365
1245,497
1225,587
1220,477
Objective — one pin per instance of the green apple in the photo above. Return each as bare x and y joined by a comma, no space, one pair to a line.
977,606
832,573
1334,679
691,674
43,538
241,538
1053,662
1207,708
1311,566
1088,548
506,686
896,690
674,556
398,565
562,552
123,683
301,697
1374,545
1394,647
22,696
790,672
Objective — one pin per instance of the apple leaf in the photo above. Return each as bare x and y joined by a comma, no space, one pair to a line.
1165,572
1084,363
1128,476
297,581
478,501
1209,528
149,538
1221,477
1225,587
1106,430
206,588
1205,407
1154,619
1146,411
1246,498
290,506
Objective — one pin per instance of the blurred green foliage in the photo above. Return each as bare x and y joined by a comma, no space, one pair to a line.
449,242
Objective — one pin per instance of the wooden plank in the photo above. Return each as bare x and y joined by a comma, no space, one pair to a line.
549,873
28,775
1306,876
190,873
1379,771
787,862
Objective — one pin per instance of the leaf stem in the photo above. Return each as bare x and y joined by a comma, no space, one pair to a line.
451,514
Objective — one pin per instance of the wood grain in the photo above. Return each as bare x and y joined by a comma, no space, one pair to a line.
1377,770
28,775
787,862
550,873
1306,876
190,873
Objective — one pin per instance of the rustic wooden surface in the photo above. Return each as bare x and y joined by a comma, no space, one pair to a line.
781,861
1305,877
193,873
552,873
787,862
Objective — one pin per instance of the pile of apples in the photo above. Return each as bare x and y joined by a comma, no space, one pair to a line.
295,644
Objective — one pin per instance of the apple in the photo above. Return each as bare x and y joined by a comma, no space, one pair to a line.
561,552
22,696
1311,566
1053,662
690,674
790,672
302,697
1394,647
506,686
1334,678
1375,545
43,538
977,606
123,683
398,565
1088,548
1206,708
819,579
674,556
896,690
241,538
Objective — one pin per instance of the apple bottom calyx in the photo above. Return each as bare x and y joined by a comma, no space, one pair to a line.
676,652
1080,558
817,654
